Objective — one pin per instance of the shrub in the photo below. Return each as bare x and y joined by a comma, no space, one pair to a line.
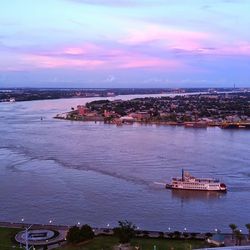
76,234
177,234
193,235
161,235
86,233
73,235
125,232
208,235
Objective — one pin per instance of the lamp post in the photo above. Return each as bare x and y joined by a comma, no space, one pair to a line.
20,244
27,238
185,233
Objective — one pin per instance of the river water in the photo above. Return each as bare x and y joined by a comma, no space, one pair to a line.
95,173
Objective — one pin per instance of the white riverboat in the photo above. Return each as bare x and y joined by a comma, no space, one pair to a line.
188,182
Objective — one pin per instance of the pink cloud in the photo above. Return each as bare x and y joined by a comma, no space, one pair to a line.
237,49
166,37
194,42
221,49
139,61
85,48
74,51
39,61
88,56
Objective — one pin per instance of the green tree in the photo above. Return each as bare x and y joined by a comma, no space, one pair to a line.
185,235
248,228
239,237
161,235
193,235
125,232
73,234
76,234
233,228
208,235
177,234
86,233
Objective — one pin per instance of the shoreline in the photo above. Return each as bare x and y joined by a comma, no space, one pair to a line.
194,125
101,230
15,99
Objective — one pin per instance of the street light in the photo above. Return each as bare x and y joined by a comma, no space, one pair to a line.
78,223
50,221
26,238
20,245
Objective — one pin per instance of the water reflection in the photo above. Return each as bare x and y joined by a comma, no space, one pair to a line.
189,195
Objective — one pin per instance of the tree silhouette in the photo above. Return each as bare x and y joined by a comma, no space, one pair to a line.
125,232
248,228
233,228
76,234
239,237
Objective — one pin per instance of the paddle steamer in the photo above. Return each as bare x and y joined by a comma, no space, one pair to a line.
188,182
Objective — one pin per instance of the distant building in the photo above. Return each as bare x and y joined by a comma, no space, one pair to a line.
140,116
127,119
82,110
109,113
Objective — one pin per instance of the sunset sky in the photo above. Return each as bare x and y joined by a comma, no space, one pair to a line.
124,43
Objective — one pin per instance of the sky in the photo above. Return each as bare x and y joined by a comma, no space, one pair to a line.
124,43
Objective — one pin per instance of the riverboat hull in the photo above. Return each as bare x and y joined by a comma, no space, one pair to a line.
170,186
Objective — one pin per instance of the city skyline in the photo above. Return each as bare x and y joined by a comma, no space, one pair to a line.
97,43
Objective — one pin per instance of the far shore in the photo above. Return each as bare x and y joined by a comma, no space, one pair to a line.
194,125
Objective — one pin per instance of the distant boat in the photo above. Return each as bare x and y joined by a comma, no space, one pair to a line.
195,125
236,125
188,182
12,99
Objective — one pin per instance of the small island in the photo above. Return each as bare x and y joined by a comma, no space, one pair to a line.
226,110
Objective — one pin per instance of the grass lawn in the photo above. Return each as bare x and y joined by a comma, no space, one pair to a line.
164,244
107,242
7,237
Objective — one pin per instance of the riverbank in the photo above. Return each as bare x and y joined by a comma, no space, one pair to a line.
106,242
191,111
104,238
31,94
223,125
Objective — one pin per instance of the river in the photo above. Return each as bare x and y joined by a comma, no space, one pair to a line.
95,173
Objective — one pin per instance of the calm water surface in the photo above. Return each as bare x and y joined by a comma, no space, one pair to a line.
99,174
